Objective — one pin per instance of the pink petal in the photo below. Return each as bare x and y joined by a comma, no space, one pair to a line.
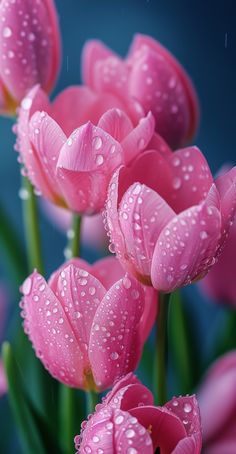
151,310
166,428
186,247
142,215
124,382
226,185
191,178
115,345
216,392
93,52
107,270
115,431
187,410
111,76
76,262
85,166
190,445
158,143
139,138
47,139
116,123
76,296
29,50
171,79
3,381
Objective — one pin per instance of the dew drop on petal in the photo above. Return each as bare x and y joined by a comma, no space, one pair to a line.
187,408
27,285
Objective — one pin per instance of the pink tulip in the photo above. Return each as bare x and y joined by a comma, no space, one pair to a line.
153,77
167,218
87,325
3,303
217,401
72,167
29,49
219,284
93,233
128,422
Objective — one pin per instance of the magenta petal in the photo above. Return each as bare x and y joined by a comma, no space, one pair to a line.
115,345
93,51
29,49
166,428
190,445
52,333
116,123
47,139
124,382
187,410
3,380
151,309
142,214
85,166
226,185
139,138
187,245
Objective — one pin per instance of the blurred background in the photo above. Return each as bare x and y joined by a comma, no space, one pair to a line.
202,36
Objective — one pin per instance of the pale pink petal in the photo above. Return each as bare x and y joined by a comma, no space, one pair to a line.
112,430
108,270
186,247
85,166
52,333
3,381
93,51
166,428
46,139
111,76
226,185
142,215
116,123
216,392
175,88
115,345
139,138
29,49
76,261
191,178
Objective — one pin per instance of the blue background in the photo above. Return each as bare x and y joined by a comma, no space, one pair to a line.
202,35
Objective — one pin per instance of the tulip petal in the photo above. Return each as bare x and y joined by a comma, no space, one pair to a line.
115,345
139,138
47,139
142,215
52,333
174,85
111,76
127,393
116,123
226,185
107,270
187,245
85,165
93,51
158,143
29,49
124,382
190,445
114,431
187,410
3,380
160,422
151,310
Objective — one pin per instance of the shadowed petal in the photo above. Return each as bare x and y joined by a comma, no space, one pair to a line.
93,51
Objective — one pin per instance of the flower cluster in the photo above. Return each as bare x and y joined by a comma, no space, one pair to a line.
118,145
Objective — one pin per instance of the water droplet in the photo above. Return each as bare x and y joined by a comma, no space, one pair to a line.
112,149
61,321
97,143
141,144
119,419
96,439
99,159
203,235
27,285
176,161
126,282
69,142
114,356
176,183
130,433
7,32
187,408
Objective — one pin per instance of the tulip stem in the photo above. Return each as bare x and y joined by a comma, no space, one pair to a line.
68,418
91,401
74,236
31,225
160,374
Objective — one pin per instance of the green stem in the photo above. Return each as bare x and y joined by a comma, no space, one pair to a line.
181,345
74,236
68,418
10,241
31,224
160,375
91,401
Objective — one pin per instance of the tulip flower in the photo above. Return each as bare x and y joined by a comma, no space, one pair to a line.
219,284
128,422
167,218
217,402
93,233
153,77
29,49
3,381
72,167
87,327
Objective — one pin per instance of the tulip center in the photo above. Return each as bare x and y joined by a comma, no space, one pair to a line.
89,383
